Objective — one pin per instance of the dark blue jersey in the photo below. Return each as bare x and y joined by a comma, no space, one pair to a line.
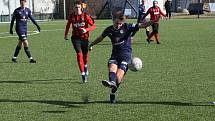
142,9
21,16
121,38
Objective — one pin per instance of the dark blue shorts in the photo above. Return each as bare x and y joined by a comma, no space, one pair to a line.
22,36
121,62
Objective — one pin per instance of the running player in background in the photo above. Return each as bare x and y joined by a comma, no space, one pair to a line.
155,13
80,34
21,15
120,35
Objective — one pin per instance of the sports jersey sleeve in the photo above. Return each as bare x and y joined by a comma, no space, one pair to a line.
90,21
31,17
69,21
133,27
161,12
148,11
105,32
12,20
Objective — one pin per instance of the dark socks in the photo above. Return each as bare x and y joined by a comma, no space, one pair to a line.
27,51
18,48
147,34
112,76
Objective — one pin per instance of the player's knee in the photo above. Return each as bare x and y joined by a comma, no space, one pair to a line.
124,66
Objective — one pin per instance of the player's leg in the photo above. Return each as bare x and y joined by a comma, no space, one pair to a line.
17,50
155,31
122,69
79,56
147,32
112,83
170,14
112,68
27,51
84,47
151,34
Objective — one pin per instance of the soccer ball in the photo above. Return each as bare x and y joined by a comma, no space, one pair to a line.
136,64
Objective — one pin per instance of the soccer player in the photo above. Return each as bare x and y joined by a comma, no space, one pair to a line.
168,7
155,13
142,12
21,15
120,35
80,33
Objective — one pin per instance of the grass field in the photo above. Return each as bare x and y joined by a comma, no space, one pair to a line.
176,84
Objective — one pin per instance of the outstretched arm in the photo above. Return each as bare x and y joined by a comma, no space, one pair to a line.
148,23
97,40
144,16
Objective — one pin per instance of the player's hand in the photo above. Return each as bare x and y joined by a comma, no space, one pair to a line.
90,47
11,32
65,37
83,30
38,28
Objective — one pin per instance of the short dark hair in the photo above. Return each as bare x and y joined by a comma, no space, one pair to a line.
78,2
22,0
119,15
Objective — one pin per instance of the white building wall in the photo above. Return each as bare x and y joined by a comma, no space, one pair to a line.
42,6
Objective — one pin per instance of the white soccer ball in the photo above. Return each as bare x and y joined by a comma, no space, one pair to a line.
136,64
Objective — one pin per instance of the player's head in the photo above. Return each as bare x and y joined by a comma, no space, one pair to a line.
143,1
78,7
22,3
118,19
155,3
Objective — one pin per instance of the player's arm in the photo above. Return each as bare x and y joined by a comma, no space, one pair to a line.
68,23
100,38
146,24
12,22
161,13
144,16
33,20
96,41
91,22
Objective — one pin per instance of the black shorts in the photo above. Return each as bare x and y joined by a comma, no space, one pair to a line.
155,27
80,45
22,36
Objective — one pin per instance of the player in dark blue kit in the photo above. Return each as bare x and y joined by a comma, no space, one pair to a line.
21,16
120,35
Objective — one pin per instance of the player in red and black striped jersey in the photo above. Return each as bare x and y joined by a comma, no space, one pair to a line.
80,33
155,13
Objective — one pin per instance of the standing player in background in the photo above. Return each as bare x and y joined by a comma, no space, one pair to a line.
142,12
120,35
155,13
168,7
80,34
21,16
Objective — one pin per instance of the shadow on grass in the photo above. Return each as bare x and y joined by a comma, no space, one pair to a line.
11,62
54,111
41,81
67,104
72,104
155,103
